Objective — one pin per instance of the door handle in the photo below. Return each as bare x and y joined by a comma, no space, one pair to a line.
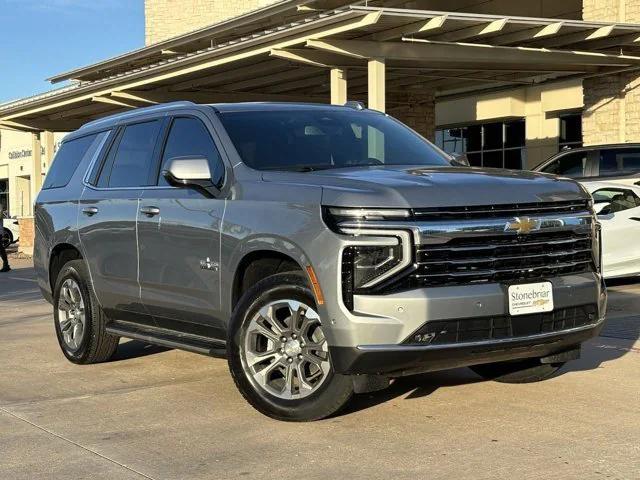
90,211
150,211
635,218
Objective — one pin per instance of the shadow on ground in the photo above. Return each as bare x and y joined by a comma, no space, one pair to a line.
411,387
136,349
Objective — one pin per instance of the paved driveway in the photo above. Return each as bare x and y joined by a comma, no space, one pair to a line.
166,414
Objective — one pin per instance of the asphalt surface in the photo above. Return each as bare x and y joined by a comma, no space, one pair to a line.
166,414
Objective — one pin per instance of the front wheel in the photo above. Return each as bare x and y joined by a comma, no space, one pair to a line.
278,353
520,371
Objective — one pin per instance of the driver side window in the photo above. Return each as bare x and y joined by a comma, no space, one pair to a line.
189,136
613,200
570,165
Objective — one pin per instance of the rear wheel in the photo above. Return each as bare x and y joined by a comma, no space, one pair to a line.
79,320
521,371
278,354
7,237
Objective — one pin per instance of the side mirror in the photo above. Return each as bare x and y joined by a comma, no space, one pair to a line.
460,160
191,172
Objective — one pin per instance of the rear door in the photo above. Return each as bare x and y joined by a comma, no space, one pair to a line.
108,214
179,237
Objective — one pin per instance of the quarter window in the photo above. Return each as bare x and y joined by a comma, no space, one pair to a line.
68,158
130,160
190,137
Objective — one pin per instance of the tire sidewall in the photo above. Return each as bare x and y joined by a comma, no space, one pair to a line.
278,287
73,270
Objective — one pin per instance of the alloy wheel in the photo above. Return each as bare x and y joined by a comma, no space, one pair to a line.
72,317
285,350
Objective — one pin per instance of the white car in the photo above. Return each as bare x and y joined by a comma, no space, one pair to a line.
618,209
10,231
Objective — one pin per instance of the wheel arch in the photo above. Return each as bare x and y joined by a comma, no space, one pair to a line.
258,264
60,255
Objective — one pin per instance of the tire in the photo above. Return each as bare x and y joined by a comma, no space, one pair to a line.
7,237
521,371
301,399
93,344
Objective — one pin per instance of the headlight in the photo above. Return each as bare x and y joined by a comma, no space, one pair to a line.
596,246
379,257
370,264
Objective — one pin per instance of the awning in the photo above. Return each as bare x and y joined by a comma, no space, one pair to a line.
344,52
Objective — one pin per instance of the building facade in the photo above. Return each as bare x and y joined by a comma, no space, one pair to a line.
513,127
17,188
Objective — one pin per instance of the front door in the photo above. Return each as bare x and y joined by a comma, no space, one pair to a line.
179,240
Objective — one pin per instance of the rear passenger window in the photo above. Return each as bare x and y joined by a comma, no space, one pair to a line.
569,165
190,137
130,160
69,157
622,161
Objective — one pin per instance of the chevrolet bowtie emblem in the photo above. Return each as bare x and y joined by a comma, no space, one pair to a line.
523,225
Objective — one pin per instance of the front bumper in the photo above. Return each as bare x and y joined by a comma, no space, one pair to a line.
399,360
465,303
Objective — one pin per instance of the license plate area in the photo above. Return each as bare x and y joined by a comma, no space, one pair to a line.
528,298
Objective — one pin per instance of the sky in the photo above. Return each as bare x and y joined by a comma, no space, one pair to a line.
41,38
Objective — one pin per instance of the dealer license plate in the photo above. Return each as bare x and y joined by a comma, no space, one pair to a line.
530,298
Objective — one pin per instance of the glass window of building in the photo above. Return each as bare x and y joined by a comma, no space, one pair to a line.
495,144
570,131
4,195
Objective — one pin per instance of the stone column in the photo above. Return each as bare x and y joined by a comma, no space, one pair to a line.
36,166
338,78
611,102
416,110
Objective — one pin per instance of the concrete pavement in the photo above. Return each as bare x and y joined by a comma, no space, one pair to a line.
166,414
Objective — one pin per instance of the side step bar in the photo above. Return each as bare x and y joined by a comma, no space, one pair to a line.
168,338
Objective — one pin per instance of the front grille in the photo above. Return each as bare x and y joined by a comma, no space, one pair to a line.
441,332
500,211
501,259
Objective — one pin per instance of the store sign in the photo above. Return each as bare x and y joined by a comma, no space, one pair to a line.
15,154
25,153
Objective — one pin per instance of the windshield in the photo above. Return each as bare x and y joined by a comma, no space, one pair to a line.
317,139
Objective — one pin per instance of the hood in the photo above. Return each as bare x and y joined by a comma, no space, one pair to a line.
427,187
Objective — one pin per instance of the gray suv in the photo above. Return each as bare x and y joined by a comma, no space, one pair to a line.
325,250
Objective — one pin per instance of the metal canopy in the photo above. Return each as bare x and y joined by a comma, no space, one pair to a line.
416,51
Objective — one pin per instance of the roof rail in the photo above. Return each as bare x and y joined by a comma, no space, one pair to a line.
138,111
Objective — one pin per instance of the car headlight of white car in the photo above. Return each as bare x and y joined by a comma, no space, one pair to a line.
596,246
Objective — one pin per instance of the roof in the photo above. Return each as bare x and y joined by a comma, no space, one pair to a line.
277,107
283,52
456,26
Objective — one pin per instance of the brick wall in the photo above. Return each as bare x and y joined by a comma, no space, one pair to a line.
169,18
27,235
612,102
418,111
